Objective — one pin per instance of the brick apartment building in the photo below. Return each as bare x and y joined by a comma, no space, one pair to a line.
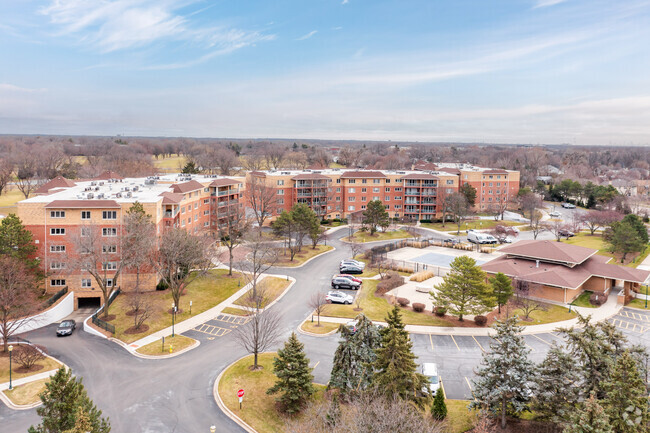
413,194
61,208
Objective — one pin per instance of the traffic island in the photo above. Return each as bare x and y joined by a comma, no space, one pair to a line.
169,346
26,396
313,328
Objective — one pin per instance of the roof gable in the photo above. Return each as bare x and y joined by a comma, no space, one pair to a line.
57,182
549,251
184,187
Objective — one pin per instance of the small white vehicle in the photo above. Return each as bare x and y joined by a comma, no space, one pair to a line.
480,238
352,262
555,214
568,206
336,297
430,371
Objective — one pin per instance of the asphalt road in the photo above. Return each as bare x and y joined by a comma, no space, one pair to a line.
175,395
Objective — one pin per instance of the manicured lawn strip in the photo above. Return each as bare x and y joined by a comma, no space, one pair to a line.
324,327
273,286
471,225
459,418
27,393
596,242
376,308
554,313
47,363
638,303
235,311
333,224
10,197
178,342
301,257
583,300
379,236
170,164
205,292
258,409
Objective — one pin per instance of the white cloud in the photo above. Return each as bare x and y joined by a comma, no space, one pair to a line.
546,3
344,2
5,87
307,36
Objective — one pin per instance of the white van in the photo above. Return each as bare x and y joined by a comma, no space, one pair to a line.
430,370
480,238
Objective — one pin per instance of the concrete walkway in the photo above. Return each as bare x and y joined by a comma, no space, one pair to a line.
644,265
28,379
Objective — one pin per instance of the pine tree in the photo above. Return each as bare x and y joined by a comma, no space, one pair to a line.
395,368
294,383
375,215
63,399
504,374
439,407
352,369
590,418
501,289
463,290
626,400
82,425
16,241
556,387
334,412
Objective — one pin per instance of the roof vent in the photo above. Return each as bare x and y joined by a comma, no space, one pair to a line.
537,263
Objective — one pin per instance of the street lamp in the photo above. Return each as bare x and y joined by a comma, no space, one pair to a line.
11,348
173,317
646,296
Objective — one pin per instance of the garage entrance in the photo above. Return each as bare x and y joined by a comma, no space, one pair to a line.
90,302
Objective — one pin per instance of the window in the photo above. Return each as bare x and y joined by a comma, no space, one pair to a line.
281,182
109,231
363,207
499,177
196,217
85,282
498,183
375,190
352,190
109,282
387,206
85,214
338,189
465,177
450,181
398,206
57,214
57,231
206,201
489,191
206,212
351,207
109,214
205,224
387,190
364,189
398,189
57,248
183,209
387,180
57,282
364,180
490,183
280,192
375,197
206,189
352,198
398,197
352,181
109,248
189,220
196,205
491,176
364,198
85,231
109,266
338,180
57,265
280,201
386,198
338,198
376,181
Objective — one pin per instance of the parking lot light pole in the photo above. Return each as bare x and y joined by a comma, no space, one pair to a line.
173,317
11,348
213,429
646,296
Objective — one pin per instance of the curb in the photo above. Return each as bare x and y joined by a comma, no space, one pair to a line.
311,334
307,261
217,398
135,353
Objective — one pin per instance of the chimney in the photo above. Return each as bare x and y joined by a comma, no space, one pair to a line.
537,263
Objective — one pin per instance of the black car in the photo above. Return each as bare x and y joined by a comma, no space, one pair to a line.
452,241
348,269
345,283
566,233
65,328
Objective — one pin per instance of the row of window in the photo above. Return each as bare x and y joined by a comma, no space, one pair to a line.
85,214
85,231
85,282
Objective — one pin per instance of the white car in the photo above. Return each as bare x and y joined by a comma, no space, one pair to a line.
555,214
352,262
430,371
336,297
568,205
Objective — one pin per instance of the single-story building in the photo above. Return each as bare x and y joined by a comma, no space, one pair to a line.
562,271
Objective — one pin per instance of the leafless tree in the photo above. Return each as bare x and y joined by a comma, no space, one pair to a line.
525,294
529,203
356,248
595,219
26,174
232,232
181,258
259,333
497,208
537,226
263,255
501,232
273,155
28,355
296,160
262,199
253,161
349,157
458,207
17,296
6,173
139,243
381,266
221,158
558,227
141,308
319,304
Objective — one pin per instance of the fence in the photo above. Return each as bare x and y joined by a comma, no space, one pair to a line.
99,322
47,304
412,267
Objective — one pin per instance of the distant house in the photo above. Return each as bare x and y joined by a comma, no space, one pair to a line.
562,271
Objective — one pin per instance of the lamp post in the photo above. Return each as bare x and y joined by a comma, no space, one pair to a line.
213,429
646,296
11,348
173,317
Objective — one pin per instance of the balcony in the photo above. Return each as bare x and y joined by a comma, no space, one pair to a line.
170,214
412,201
412,191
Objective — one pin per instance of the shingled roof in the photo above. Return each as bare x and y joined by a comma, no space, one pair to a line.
359,174
57,182
224,182
549,251
182,188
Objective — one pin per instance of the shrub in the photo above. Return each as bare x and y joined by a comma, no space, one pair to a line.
418,307
646,219
421,276
27,355
440,311
403,302
439,407
390,281
480,320
598,298
425,221
162,285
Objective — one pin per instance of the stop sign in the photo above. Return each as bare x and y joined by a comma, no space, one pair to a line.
240,393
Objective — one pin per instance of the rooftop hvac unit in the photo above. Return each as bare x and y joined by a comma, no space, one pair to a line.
93,183
135,188
90,195
87,188
100,196
128,194
401,172
101,183
118,195
96,188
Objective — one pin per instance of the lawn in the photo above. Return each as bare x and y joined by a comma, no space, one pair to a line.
377,309
379,236
10,197
553,313
172,164
583,300
47,363
272,287
258,409
469,225
596,242
638,303
178,342
301,257
314,328
205,292
459,418
27,393
234,311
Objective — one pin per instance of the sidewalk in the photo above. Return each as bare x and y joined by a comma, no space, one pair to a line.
644,265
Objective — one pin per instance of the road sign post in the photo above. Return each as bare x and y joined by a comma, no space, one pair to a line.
240,394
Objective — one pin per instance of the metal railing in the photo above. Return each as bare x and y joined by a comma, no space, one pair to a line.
55,297
101,323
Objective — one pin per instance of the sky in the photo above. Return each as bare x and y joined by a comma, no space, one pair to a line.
492,71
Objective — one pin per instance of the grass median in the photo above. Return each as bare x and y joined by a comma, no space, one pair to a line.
157,348
301,257
379,236
28,393
553,313
469,225
272,288
583,300
596,242
323,328
45,364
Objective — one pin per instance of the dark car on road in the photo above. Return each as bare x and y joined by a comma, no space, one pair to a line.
345,283
451,241
66,328
565,233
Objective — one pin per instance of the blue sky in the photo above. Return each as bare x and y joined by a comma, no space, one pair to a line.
518,71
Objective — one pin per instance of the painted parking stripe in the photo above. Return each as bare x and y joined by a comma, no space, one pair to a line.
479,344
212,330
635,316
454,340
431,340
540,339
236,320
469,385
629,326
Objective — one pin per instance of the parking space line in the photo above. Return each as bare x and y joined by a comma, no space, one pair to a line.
541,339
454,340
212,330
431,340
479,344
315,365
530,347
623,324
469,385
635,316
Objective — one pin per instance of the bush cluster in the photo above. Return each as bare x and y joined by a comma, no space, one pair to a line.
403,302
598,298
162,285
480,320
422,275
440,311
418,307
391,280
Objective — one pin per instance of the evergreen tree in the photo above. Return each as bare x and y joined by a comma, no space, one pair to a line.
190,168
504,374
623,237
626,400
352,369
469,192
439,407
590,418
82,425
375,215
463,290
294,383
637,223
395,368
334,412
501,289
556,387
63,399
306,220
16,241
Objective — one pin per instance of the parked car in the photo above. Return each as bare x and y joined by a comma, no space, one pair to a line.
349,277
480,238
336,297
504,240
345,283
555,214
568,206
351,326
66,328
451,241
349,269
430,371
353,262
565,233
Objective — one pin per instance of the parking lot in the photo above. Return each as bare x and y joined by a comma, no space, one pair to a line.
221,325
634,324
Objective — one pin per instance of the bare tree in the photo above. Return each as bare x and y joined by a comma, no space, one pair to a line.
558,227
141,308
381,266
319,304
595,219
259,333
221,158
525,292
17,296
253,161
6,172
262,199
263,255
458,207
273,155
139,241
232,232
181,258
28,355
26,175
529,203
502,232
536,224
356,248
